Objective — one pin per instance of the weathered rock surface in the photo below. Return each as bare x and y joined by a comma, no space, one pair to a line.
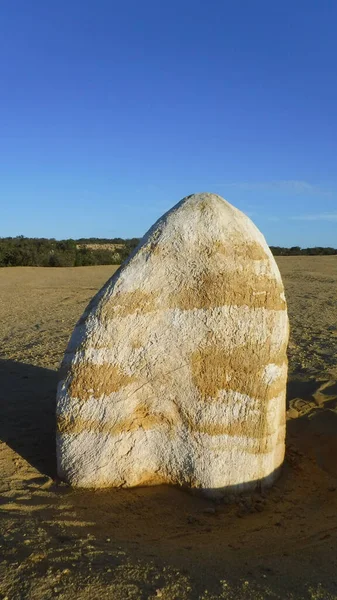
176,372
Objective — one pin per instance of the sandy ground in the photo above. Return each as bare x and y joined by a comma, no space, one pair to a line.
161,542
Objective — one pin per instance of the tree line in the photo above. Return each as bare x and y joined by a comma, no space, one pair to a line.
298,251
21,251
42,252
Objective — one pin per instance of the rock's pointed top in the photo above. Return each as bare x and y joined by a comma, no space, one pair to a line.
204,197
207,220
205,200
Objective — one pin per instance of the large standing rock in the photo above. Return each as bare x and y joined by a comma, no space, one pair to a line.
176,372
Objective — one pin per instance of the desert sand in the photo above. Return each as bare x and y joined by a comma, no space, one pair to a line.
161,542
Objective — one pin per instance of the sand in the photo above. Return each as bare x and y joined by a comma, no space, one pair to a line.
162,542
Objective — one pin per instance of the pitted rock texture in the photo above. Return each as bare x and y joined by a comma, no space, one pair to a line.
176,373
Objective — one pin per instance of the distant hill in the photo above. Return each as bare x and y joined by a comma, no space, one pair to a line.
43,252
97,246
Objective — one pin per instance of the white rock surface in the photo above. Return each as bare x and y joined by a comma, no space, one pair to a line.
176,373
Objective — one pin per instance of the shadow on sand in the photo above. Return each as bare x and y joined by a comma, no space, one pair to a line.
27,406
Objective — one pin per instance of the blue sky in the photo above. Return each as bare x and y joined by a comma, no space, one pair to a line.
111,112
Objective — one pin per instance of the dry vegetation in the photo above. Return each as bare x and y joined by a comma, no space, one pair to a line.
161,542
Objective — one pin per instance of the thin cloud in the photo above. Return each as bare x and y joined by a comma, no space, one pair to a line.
292,186
317,217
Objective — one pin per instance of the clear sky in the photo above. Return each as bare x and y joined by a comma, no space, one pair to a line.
112,111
